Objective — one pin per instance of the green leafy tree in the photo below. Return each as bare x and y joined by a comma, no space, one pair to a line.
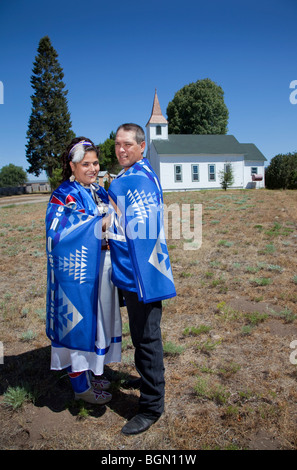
226,176
12,175
49,129
56,179
282,172
198,108
108,159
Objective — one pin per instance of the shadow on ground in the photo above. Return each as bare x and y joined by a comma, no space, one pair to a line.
52,389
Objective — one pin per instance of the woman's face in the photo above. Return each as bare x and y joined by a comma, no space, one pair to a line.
86,171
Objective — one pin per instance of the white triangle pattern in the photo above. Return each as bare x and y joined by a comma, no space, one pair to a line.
69,315
75,265
159,258
141,203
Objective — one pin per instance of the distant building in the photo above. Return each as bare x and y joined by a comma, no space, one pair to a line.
37,186
104,176
191,162
26,188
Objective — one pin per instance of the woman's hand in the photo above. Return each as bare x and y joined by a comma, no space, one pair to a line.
106,222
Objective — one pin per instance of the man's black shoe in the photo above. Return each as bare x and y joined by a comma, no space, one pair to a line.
132,383
139,423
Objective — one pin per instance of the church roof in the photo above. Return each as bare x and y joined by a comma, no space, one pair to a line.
252,152
207,144
157,116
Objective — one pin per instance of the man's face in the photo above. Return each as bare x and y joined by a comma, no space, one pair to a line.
127,150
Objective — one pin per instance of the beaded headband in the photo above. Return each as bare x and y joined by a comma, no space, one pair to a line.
82,142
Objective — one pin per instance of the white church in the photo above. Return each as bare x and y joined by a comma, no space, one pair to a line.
191,162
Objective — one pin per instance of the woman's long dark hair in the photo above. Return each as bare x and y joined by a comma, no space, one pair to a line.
67,157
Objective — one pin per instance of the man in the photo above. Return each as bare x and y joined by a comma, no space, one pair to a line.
141,267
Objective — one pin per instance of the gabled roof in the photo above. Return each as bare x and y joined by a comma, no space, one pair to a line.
207,144
157,116
251,152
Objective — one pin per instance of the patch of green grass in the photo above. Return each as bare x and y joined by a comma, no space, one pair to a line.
15,397
209,274
225,243
228,369
236,265
278,230
214,392
270,248
255,318
196,331
227,313
267,250
28,336
218,282
41,313
126,344
274,267
38,254
171,349
286,315
252,269
125,328
261,281
185,274
83,411
246,330
207,346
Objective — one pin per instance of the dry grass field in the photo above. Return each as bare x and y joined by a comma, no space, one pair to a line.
230,383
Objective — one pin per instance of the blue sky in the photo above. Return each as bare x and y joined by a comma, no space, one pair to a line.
114,54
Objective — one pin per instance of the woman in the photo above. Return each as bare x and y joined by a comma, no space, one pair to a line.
83,315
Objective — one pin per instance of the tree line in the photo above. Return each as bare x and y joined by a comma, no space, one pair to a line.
282,172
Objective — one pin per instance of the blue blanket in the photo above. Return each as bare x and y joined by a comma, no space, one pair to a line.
73,250
137,194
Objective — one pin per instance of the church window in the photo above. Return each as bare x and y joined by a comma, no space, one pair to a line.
195,172
178,175
211,172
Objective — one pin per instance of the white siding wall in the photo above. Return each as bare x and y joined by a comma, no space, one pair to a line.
167,175
151,132
248,182
154,159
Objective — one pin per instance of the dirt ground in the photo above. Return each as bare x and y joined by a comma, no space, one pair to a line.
230,377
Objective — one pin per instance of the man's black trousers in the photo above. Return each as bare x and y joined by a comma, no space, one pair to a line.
145,330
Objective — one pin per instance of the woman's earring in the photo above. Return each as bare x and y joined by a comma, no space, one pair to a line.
72,178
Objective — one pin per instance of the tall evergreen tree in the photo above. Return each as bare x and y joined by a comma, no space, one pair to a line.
49,129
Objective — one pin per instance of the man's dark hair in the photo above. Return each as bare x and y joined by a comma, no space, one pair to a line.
139,132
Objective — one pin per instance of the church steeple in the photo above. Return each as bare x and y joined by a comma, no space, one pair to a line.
157,125
157,116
